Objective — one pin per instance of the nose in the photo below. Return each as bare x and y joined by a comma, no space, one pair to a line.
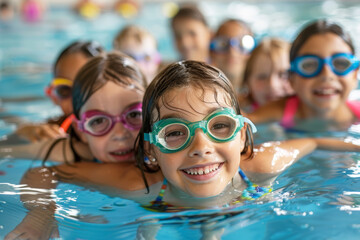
327,72
201,145
120,132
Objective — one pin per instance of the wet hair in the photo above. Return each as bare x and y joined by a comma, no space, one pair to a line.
189,12
182,74
115,67
320,26
237,21
87,48
271,47
135,33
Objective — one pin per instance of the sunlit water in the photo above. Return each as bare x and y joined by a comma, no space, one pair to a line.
316,198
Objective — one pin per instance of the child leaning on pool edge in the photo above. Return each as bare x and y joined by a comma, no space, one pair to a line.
323,73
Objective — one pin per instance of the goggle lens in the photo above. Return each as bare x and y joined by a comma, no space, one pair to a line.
98,125
222,127
62,91
174,136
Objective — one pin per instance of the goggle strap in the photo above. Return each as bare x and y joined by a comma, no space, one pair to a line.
253,128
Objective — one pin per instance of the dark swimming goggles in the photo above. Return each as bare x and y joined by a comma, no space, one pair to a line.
59,88
244,44
309,66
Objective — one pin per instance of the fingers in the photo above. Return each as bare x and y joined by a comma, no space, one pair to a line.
35,133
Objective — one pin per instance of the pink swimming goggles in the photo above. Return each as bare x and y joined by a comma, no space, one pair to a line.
98,123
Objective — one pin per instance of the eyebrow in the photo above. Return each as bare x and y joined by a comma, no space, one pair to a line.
181,116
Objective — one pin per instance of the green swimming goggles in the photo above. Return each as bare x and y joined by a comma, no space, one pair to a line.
174,134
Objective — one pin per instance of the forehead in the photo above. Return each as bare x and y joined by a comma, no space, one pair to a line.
193,100
232,29
324,45
70,64
112,98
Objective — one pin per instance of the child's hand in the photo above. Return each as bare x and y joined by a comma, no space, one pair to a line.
37,224
35,133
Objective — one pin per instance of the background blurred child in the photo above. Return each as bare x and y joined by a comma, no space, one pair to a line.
323,73
266,75
140,45
231,48
191,33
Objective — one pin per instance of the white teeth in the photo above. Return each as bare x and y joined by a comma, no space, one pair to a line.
121,153
325,91
202,171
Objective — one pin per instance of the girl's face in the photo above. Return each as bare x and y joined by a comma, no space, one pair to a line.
231,62
118,144
67,68
327,91
268,80
145,54
192,39
202,155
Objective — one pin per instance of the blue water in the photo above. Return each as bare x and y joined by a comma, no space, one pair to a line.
316,198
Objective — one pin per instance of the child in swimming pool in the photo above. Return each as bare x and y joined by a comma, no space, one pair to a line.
323,73
191,33
266,74
193,151
106,102
230,49
140,45
66,66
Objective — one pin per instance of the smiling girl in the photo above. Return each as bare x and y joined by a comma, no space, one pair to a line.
323,72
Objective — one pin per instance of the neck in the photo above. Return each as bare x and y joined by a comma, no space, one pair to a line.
178,197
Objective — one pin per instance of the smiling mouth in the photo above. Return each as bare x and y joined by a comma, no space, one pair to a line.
122,153
203,170
326,92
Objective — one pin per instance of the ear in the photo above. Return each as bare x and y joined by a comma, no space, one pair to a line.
80,134
243,136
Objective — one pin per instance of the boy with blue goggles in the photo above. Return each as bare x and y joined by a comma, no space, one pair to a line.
309,66
174,134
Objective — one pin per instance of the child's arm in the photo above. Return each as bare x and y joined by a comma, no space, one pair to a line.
59,150
39,223
39,132
271,112
274,157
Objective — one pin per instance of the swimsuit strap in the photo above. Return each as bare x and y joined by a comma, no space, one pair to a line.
291,107
354,107
253,191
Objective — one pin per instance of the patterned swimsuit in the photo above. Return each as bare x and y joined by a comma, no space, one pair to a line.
252,192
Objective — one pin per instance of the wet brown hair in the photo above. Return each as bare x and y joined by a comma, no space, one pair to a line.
181,74
115,67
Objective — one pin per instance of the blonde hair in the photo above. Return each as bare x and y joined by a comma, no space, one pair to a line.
135,33
271,47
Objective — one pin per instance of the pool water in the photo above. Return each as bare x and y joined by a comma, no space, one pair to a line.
316,198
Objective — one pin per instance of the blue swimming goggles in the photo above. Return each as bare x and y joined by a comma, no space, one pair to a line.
244,44
309,66
175,134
